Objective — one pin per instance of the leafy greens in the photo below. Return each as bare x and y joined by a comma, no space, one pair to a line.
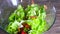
35,15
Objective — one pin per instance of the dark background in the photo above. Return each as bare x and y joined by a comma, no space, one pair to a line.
56,27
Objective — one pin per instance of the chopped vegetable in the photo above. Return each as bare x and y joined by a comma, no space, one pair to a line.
15,19
38,23
34,23
45,7
18,14
23,32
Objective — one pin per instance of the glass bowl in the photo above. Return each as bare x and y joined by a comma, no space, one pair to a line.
8,6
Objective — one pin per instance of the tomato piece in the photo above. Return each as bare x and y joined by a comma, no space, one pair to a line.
26,25
23,32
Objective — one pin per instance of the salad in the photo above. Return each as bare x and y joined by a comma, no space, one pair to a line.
28,21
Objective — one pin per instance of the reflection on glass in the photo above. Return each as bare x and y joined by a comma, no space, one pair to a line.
14,2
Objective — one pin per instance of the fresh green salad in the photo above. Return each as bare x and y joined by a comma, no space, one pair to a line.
30,20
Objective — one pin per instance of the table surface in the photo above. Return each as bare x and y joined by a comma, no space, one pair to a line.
56,27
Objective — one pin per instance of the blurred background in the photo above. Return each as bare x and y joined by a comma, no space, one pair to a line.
56,27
